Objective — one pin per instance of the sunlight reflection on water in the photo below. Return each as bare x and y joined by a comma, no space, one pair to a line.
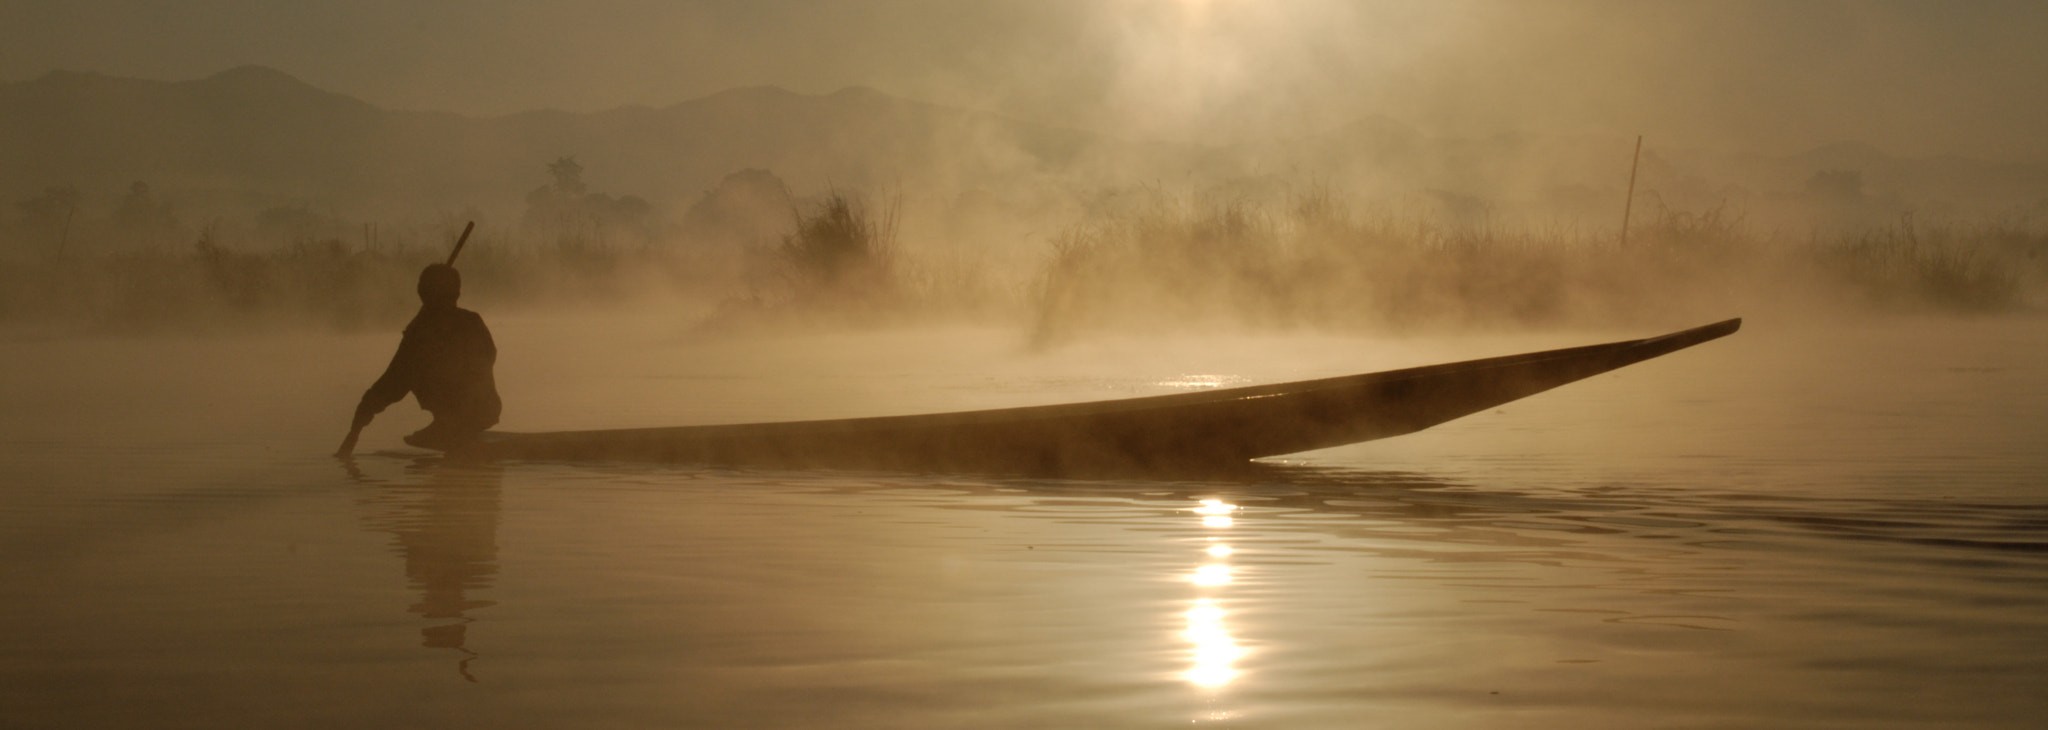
1201,382
1215,651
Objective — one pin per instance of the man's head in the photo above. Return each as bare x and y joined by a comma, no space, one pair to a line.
440,285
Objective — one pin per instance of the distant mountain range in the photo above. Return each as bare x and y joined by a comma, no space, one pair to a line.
255,137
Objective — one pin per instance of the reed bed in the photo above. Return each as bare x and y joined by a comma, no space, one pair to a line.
1312,262
1309,261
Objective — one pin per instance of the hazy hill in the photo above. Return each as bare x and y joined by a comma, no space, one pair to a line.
254,137
245,130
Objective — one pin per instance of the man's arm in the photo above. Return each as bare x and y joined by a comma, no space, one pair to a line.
390,388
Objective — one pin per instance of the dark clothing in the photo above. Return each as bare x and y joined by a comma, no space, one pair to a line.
445,361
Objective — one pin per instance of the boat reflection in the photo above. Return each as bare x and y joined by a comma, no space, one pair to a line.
444,523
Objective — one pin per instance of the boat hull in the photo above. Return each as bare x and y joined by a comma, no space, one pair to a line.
1159,433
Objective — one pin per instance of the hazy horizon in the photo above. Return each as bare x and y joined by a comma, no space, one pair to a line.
1107,145
1916,79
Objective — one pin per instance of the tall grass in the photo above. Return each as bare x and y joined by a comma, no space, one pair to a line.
1983,267
326,283
839,266
1314,262
1135,262
842,250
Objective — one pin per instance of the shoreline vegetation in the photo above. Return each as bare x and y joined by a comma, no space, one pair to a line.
1140,261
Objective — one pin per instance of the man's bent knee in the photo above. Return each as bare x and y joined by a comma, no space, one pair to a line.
442,436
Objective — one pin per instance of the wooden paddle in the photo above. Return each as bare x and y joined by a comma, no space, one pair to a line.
459,241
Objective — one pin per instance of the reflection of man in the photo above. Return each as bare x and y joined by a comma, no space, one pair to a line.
446,529
445,361
449,540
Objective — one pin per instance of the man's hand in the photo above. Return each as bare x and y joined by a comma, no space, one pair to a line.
355,431
348,444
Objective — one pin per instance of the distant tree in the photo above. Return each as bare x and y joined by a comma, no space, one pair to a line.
142,219
568,176
566,212
297,223
555,209
46,219
1839,186
749,207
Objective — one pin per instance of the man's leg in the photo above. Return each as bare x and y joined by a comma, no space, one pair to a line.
443,434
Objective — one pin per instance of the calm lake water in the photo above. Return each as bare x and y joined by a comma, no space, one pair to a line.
1796,526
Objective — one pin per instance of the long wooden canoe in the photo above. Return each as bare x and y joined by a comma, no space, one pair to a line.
1158,433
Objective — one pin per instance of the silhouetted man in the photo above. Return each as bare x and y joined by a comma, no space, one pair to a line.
445,361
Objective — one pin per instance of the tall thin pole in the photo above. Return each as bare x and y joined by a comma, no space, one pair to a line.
65,240
1630,203
458,242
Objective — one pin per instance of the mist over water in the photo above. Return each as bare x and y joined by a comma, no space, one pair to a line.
741,212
